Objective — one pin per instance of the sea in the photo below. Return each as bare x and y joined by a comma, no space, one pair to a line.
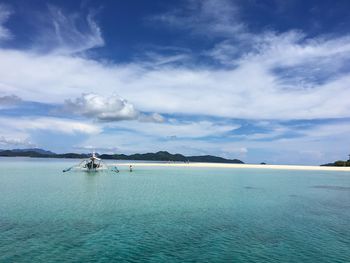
160,214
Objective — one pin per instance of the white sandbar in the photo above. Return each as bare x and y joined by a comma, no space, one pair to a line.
233,165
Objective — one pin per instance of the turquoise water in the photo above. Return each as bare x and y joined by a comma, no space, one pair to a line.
171,215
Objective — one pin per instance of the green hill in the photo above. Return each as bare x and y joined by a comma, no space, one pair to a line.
158,156
165,156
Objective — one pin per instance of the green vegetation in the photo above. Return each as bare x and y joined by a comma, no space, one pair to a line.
158,156
338,163
165,156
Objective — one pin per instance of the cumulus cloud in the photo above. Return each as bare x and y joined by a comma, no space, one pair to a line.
111,108
108,108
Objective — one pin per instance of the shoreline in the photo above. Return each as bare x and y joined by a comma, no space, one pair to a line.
239,166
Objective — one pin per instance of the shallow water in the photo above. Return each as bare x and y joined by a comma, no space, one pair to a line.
171,214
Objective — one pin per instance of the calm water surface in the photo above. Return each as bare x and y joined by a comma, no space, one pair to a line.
171,215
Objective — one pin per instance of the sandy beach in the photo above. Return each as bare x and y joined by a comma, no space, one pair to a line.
233,166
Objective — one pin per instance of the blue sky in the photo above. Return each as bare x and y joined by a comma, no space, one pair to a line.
255,80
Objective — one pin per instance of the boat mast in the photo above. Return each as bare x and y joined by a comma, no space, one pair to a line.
93,160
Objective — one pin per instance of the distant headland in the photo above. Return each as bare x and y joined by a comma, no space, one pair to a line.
158,156
338,163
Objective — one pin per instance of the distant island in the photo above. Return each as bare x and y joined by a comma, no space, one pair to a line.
338,163
158,156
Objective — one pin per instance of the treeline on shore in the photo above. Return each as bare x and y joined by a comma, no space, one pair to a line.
338,163
158,156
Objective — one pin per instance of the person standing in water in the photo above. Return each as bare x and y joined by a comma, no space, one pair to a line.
130,168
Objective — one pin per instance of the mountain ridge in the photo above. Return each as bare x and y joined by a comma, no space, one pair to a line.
158,156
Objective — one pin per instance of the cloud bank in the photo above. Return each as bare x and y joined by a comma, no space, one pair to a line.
257,87
15,142
59,125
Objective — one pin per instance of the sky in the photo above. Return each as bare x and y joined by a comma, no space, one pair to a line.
261,81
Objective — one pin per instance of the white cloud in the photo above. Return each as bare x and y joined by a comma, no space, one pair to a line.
291,151
174,136
57,125
67,33
9,142
313,144
179,129
328,130
205,16
108,108
250,90
112,108
311,147
293,48
154,117
90,148
5,13
154,59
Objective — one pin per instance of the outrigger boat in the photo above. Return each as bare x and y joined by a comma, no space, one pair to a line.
91,164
